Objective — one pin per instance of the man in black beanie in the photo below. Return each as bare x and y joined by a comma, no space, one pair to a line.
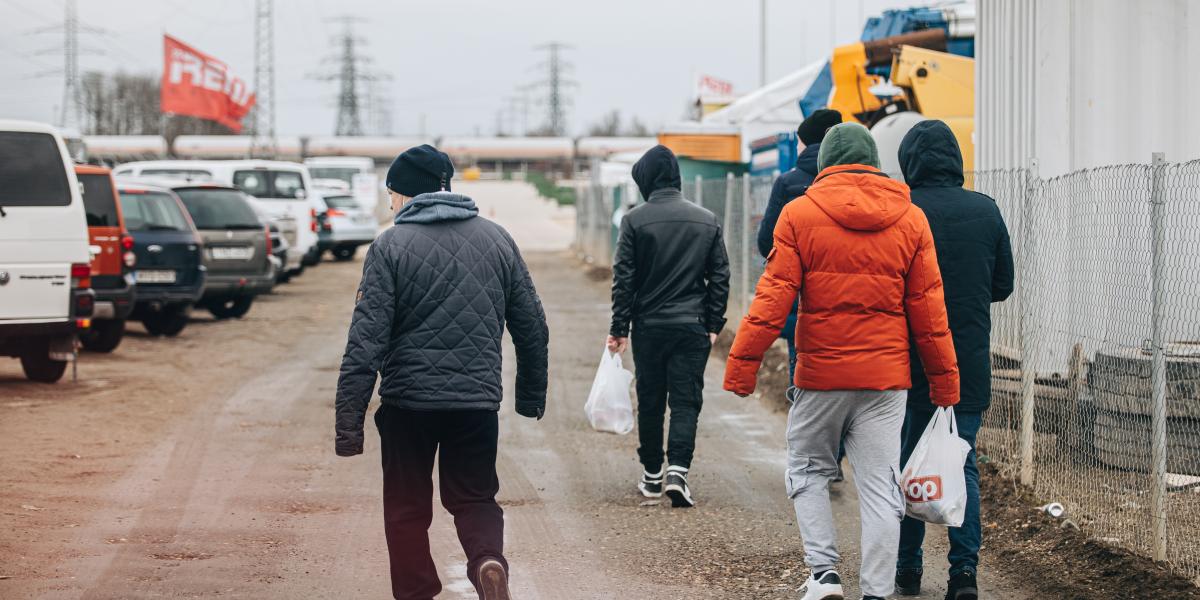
788,187
436,292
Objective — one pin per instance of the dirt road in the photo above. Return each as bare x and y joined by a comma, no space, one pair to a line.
203,466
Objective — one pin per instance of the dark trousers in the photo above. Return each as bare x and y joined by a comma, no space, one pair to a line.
466,444
670,361
964,540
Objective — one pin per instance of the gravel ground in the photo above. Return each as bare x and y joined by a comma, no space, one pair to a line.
203,466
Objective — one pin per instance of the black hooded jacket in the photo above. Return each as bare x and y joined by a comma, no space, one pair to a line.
973,254
788,187
670,266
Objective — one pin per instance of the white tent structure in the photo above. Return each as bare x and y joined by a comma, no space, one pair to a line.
771,109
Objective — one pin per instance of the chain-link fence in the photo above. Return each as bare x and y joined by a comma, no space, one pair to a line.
1095,356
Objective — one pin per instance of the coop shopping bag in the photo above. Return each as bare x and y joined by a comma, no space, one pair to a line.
609,407
935,488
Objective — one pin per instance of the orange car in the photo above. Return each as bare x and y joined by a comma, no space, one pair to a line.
112,259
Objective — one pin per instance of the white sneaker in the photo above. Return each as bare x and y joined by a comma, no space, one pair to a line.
829,587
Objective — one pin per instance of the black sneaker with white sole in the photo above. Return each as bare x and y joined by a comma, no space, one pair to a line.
677,488
493,581
962,586
651,485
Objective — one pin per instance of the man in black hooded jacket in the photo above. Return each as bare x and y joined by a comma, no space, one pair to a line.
976,262
437,291
671,282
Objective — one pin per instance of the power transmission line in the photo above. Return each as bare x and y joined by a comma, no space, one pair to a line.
71,110
554,85
352,70
262,122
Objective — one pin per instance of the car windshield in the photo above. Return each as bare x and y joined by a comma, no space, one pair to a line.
182,173
341,202
153,211
269,185
98,200
343,173
32,171
216,208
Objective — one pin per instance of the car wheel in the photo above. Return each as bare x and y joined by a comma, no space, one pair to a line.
230,308
168,321
103,335
38,366
344,253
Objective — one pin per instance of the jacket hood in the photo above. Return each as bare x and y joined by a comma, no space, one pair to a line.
656,170
807,160
436,207
859,197
848,144
930,157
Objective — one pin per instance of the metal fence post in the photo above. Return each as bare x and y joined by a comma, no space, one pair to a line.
1028,345
1158,368
728,226
699,193
747,294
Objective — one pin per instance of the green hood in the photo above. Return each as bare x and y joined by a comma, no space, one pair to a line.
848,144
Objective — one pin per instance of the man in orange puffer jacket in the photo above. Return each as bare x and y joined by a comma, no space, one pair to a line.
861,258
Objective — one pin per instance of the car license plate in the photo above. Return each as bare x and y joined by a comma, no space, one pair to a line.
362,218
232,252
146,276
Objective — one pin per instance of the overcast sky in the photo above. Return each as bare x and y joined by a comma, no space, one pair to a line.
452,63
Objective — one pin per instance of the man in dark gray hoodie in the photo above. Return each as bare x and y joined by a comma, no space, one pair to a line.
671,282
437,290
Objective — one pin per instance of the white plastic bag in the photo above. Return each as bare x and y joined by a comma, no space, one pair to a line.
609,407
934,485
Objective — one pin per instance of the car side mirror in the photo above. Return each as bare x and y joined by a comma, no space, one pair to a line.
301,194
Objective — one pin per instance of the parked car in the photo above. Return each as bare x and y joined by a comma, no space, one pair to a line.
357,172
280,191
112,259
345,226
44,288
170,271
237,247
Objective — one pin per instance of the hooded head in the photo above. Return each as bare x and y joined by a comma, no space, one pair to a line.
848,144
656,170
420,170
930,157
813,129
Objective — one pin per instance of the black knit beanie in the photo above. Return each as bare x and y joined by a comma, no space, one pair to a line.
813,129
420,170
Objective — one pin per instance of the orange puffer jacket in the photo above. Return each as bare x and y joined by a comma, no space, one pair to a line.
861,257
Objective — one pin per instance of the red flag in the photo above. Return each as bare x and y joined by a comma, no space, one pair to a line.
198,85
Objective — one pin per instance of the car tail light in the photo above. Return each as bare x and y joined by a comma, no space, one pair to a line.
333,212
270,246
83,323
312,219
85,304
81,275
127,242
129,258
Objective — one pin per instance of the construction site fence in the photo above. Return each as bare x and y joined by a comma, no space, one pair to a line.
1095,357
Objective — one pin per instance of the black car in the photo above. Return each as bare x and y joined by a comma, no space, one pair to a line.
170,271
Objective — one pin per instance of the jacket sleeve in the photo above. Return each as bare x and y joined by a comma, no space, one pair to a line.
716,297
624,272
1002,270
531,337
766,227
366,345
925,306
773,300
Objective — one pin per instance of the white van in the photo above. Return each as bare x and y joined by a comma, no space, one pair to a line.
357,171
44,254
281,191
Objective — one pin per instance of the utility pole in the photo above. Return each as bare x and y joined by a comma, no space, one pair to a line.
351,71
762,43
556,100
70,112
262,122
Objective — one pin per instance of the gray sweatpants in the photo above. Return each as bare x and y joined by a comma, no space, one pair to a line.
869,422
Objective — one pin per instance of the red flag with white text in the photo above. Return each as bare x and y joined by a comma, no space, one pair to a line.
198,85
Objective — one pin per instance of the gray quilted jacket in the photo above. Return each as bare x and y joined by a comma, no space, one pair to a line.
437,290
